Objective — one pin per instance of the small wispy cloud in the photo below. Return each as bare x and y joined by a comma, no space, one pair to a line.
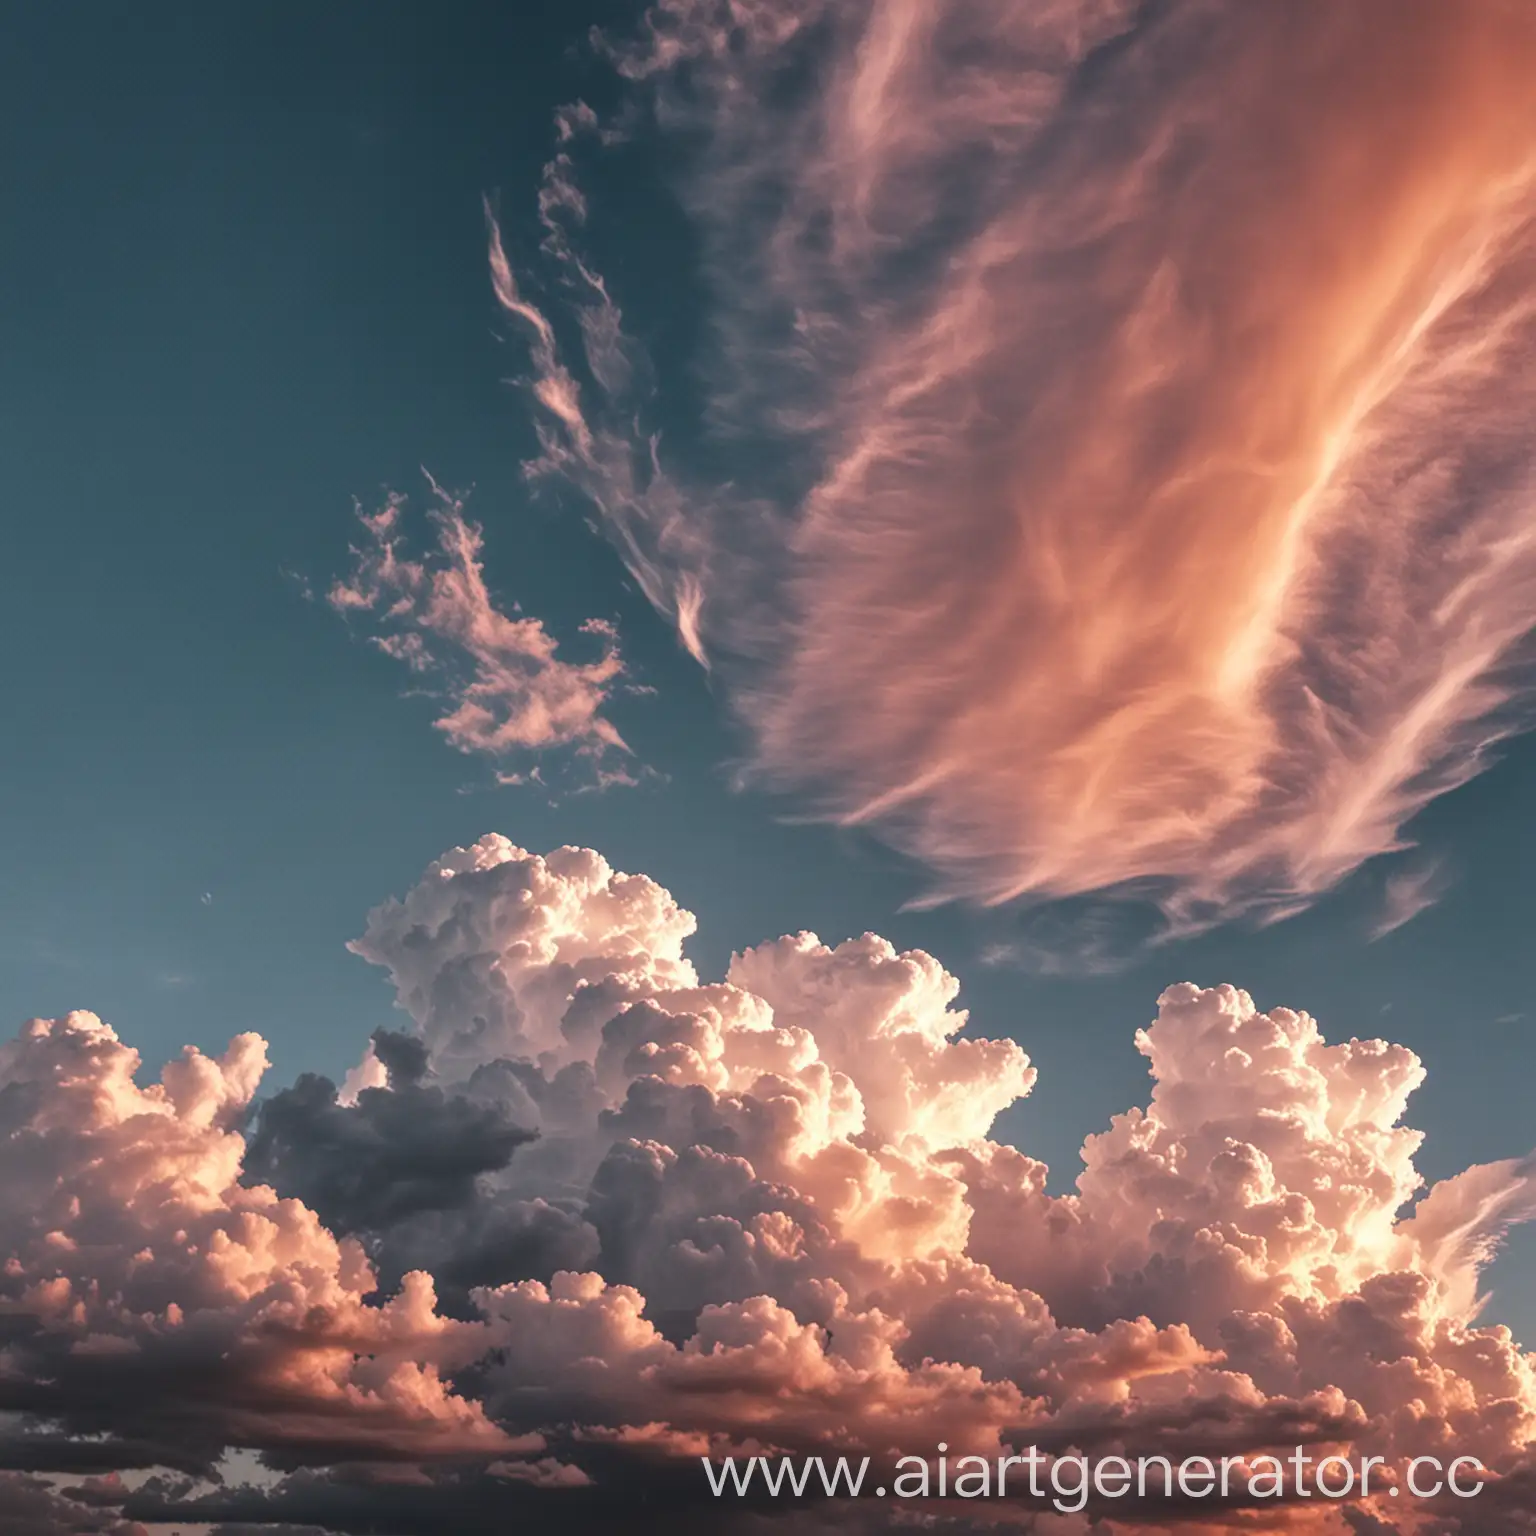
1081,936
1406,894
595,443
299,582
509,689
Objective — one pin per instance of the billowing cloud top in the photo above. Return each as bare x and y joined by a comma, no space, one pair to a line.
1145,394
590,1216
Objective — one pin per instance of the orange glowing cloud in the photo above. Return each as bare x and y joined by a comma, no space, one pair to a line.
508,689
1158,382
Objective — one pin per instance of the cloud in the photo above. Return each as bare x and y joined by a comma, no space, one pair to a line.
596,444
152,1295
510,691
1128,415
399,1164
1406,894
590,1216
32,1506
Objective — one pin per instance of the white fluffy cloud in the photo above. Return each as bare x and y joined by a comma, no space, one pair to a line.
759,1213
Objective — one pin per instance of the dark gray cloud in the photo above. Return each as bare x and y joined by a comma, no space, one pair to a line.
407,1170
32,1506
760,1213
397,1151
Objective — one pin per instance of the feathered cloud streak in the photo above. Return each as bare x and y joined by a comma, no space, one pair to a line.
1148,390
509,691
668,1216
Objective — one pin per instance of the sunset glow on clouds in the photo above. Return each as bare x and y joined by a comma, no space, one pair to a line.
1148,390
508,689
590,1216
1087,444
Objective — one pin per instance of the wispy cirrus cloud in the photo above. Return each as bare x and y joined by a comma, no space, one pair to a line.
1406,893
509,690
596,444
1148,395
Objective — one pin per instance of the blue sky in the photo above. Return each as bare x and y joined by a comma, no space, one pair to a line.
245,284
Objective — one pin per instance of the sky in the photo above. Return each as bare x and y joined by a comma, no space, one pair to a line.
1049,487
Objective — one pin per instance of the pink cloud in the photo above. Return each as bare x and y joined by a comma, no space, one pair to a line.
137,1254
753,1215
510,691
596,445
1159,381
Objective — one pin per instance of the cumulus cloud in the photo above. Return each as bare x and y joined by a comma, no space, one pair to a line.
148,1293
509,690
1141,399
670,1217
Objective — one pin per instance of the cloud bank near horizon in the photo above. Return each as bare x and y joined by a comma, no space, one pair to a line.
1145,392
590,1216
